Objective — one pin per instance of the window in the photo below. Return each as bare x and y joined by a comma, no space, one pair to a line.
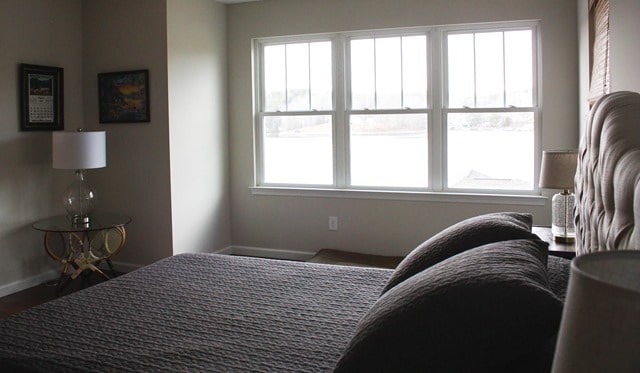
490,116
297,124
600,80
388,115
446,109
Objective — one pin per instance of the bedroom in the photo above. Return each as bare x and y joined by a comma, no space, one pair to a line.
156,159
156,173
151,173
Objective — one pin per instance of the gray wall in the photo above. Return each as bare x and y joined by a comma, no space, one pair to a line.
171,174
379,226
125,35
42,33
147,163
624,23
198,130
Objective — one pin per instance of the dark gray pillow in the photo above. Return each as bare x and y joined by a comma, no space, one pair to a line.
558,270
462,236
477,311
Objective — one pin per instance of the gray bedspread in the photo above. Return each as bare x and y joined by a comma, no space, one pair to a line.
198,312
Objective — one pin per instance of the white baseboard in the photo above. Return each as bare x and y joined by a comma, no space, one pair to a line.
226,251
263,252
53,274
129,267
28,282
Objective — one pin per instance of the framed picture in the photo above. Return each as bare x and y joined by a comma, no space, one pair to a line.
41,98
123,97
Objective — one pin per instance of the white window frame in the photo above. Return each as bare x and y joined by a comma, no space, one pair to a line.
436,110
344,181
535,108
259,102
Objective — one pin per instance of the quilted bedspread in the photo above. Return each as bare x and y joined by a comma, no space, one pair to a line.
198,312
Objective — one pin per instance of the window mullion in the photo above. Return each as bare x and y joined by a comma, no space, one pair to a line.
504,72
375,74
401,74
286,77
340,122
475,74
537,72
437,134
258,152
309,72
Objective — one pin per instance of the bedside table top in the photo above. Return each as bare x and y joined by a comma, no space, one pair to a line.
565,250
99,221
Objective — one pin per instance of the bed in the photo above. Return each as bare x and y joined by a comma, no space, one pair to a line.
482,295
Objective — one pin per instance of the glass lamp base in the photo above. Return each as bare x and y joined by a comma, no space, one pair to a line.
79,200
80,220
563,239
563,226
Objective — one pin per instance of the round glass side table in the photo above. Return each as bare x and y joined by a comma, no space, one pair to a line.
82,247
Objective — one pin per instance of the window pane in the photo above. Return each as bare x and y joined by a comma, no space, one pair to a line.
518,68
298,76
490,151
461,70
489,70
389,150
388,73
414,71
275,87
298,149
363,91
321,76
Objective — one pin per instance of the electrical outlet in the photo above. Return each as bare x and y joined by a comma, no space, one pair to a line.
333,223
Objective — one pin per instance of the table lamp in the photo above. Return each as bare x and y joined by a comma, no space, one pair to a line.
557,172
79,151
600,327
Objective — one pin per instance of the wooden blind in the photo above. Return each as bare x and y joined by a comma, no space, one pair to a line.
599,38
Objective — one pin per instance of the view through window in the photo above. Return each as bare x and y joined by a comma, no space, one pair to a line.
490,115
431,109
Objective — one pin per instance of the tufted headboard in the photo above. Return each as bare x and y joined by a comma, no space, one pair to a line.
608,176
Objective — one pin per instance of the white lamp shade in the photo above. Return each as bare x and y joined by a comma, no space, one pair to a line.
79,150
600,328
558,169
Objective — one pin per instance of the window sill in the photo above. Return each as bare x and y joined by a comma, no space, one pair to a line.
504,199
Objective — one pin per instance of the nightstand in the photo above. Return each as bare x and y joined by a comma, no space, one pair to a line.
82,247
565,250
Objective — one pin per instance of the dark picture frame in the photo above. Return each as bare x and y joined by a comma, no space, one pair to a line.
41,98
123,97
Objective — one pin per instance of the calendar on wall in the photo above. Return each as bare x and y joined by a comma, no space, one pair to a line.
41,98
41,105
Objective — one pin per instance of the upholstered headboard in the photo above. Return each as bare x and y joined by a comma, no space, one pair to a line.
608,176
